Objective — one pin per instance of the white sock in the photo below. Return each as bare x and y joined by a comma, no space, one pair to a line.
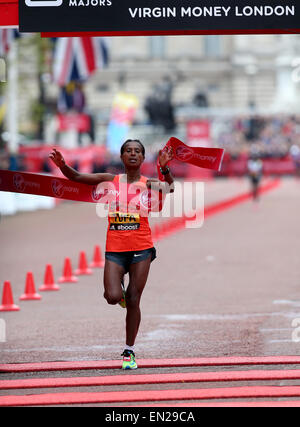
128,347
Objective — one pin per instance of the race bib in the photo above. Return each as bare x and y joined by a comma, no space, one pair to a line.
124,221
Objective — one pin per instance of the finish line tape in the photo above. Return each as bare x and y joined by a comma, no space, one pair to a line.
139,197
202,157
45,185
62,188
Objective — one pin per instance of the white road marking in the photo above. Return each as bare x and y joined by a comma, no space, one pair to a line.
211,316
287,302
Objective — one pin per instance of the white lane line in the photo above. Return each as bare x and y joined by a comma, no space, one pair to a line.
287,302
234,316
271,330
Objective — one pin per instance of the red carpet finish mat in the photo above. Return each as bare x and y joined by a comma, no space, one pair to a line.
176,395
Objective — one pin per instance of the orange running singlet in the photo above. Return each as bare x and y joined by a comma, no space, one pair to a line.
128,227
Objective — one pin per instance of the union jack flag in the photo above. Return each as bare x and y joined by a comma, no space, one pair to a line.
76,58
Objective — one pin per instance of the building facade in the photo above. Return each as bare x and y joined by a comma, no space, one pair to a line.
224,73
230,71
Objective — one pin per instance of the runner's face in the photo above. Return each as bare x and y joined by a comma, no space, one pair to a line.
132,156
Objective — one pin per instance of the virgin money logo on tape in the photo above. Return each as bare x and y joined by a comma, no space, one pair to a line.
41,3
57,188
96,196
149,200
105,190
19,182
184,153
22,184
60,190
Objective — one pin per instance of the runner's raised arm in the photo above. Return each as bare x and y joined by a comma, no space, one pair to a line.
73,175
164,157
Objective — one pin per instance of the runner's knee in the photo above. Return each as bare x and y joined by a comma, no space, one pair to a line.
133,299
113,297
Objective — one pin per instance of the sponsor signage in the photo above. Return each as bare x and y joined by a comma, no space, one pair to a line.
143,17
79,122
198,133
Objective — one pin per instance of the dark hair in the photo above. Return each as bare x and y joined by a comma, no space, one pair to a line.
132,140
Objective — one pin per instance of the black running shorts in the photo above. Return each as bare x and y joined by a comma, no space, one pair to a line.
125,259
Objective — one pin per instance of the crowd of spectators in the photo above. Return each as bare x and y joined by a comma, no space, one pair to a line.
275,136
264,137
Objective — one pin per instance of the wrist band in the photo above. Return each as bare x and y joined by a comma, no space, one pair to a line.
166,171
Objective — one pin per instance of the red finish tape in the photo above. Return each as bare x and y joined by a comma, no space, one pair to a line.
204,157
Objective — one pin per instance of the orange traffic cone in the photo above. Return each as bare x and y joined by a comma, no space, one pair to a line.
49,284
67,276
83,265
30,292
7,299
97,262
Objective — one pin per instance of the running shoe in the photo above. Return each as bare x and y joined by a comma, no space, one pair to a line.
128,360
122,302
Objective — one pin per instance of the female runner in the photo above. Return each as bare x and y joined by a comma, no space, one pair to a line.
129,246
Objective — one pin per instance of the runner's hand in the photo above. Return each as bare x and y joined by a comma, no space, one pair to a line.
165,156
57,158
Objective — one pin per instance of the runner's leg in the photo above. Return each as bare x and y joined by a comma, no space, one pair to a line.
113,274
138,274
255,190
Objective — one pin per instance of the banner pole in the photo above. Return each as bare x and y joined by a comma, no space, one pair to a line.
12,118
